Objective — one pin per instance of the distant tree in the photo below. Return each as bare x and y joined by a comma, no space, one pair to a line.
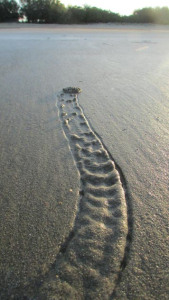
96,15
145,15
53,11
162,15
9,10
150,15
35,10
57,12
76,14
43,11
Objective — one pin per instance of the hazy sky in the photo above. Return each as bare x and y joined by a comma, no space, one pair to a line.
123,7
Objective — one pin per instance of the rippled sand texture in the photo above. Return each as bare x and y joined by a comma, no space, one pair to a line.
91,259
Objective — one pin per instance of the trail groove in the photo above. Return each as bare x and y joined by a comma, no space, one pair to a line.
90,261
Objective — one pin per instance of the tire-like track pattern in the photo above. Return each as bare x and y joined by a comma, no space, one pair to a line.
90,261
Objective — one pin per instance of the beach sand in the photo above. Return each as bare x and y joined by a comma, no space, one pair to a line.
84,176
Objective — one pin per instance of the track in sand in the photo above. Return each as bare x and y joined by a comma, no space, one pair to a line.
95,252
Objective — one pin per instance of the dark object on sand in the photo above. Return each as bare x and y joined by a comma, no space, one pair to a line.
72,90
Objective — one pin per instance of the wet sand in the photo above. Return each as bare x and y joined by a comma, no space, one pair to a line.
70,227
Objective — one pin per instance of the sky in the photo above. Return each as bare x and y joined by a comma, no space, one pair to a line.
123,7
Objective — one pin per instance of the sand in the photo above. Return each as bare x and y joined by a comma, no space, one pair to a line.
84,177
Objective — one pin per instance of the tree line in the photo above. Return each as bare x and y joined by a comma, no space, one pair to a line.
53,11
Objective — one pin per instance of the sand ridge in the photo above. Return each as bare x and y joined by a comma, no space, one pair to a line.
92,257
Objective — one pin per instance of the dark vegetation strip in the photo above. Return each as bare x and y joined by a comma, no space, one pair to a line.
53,11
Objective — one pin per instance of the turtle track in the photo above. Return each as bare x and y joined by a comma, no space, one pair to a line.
92,257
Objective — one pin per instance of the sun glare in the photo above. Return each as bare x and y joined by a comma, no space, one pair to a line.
121,6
